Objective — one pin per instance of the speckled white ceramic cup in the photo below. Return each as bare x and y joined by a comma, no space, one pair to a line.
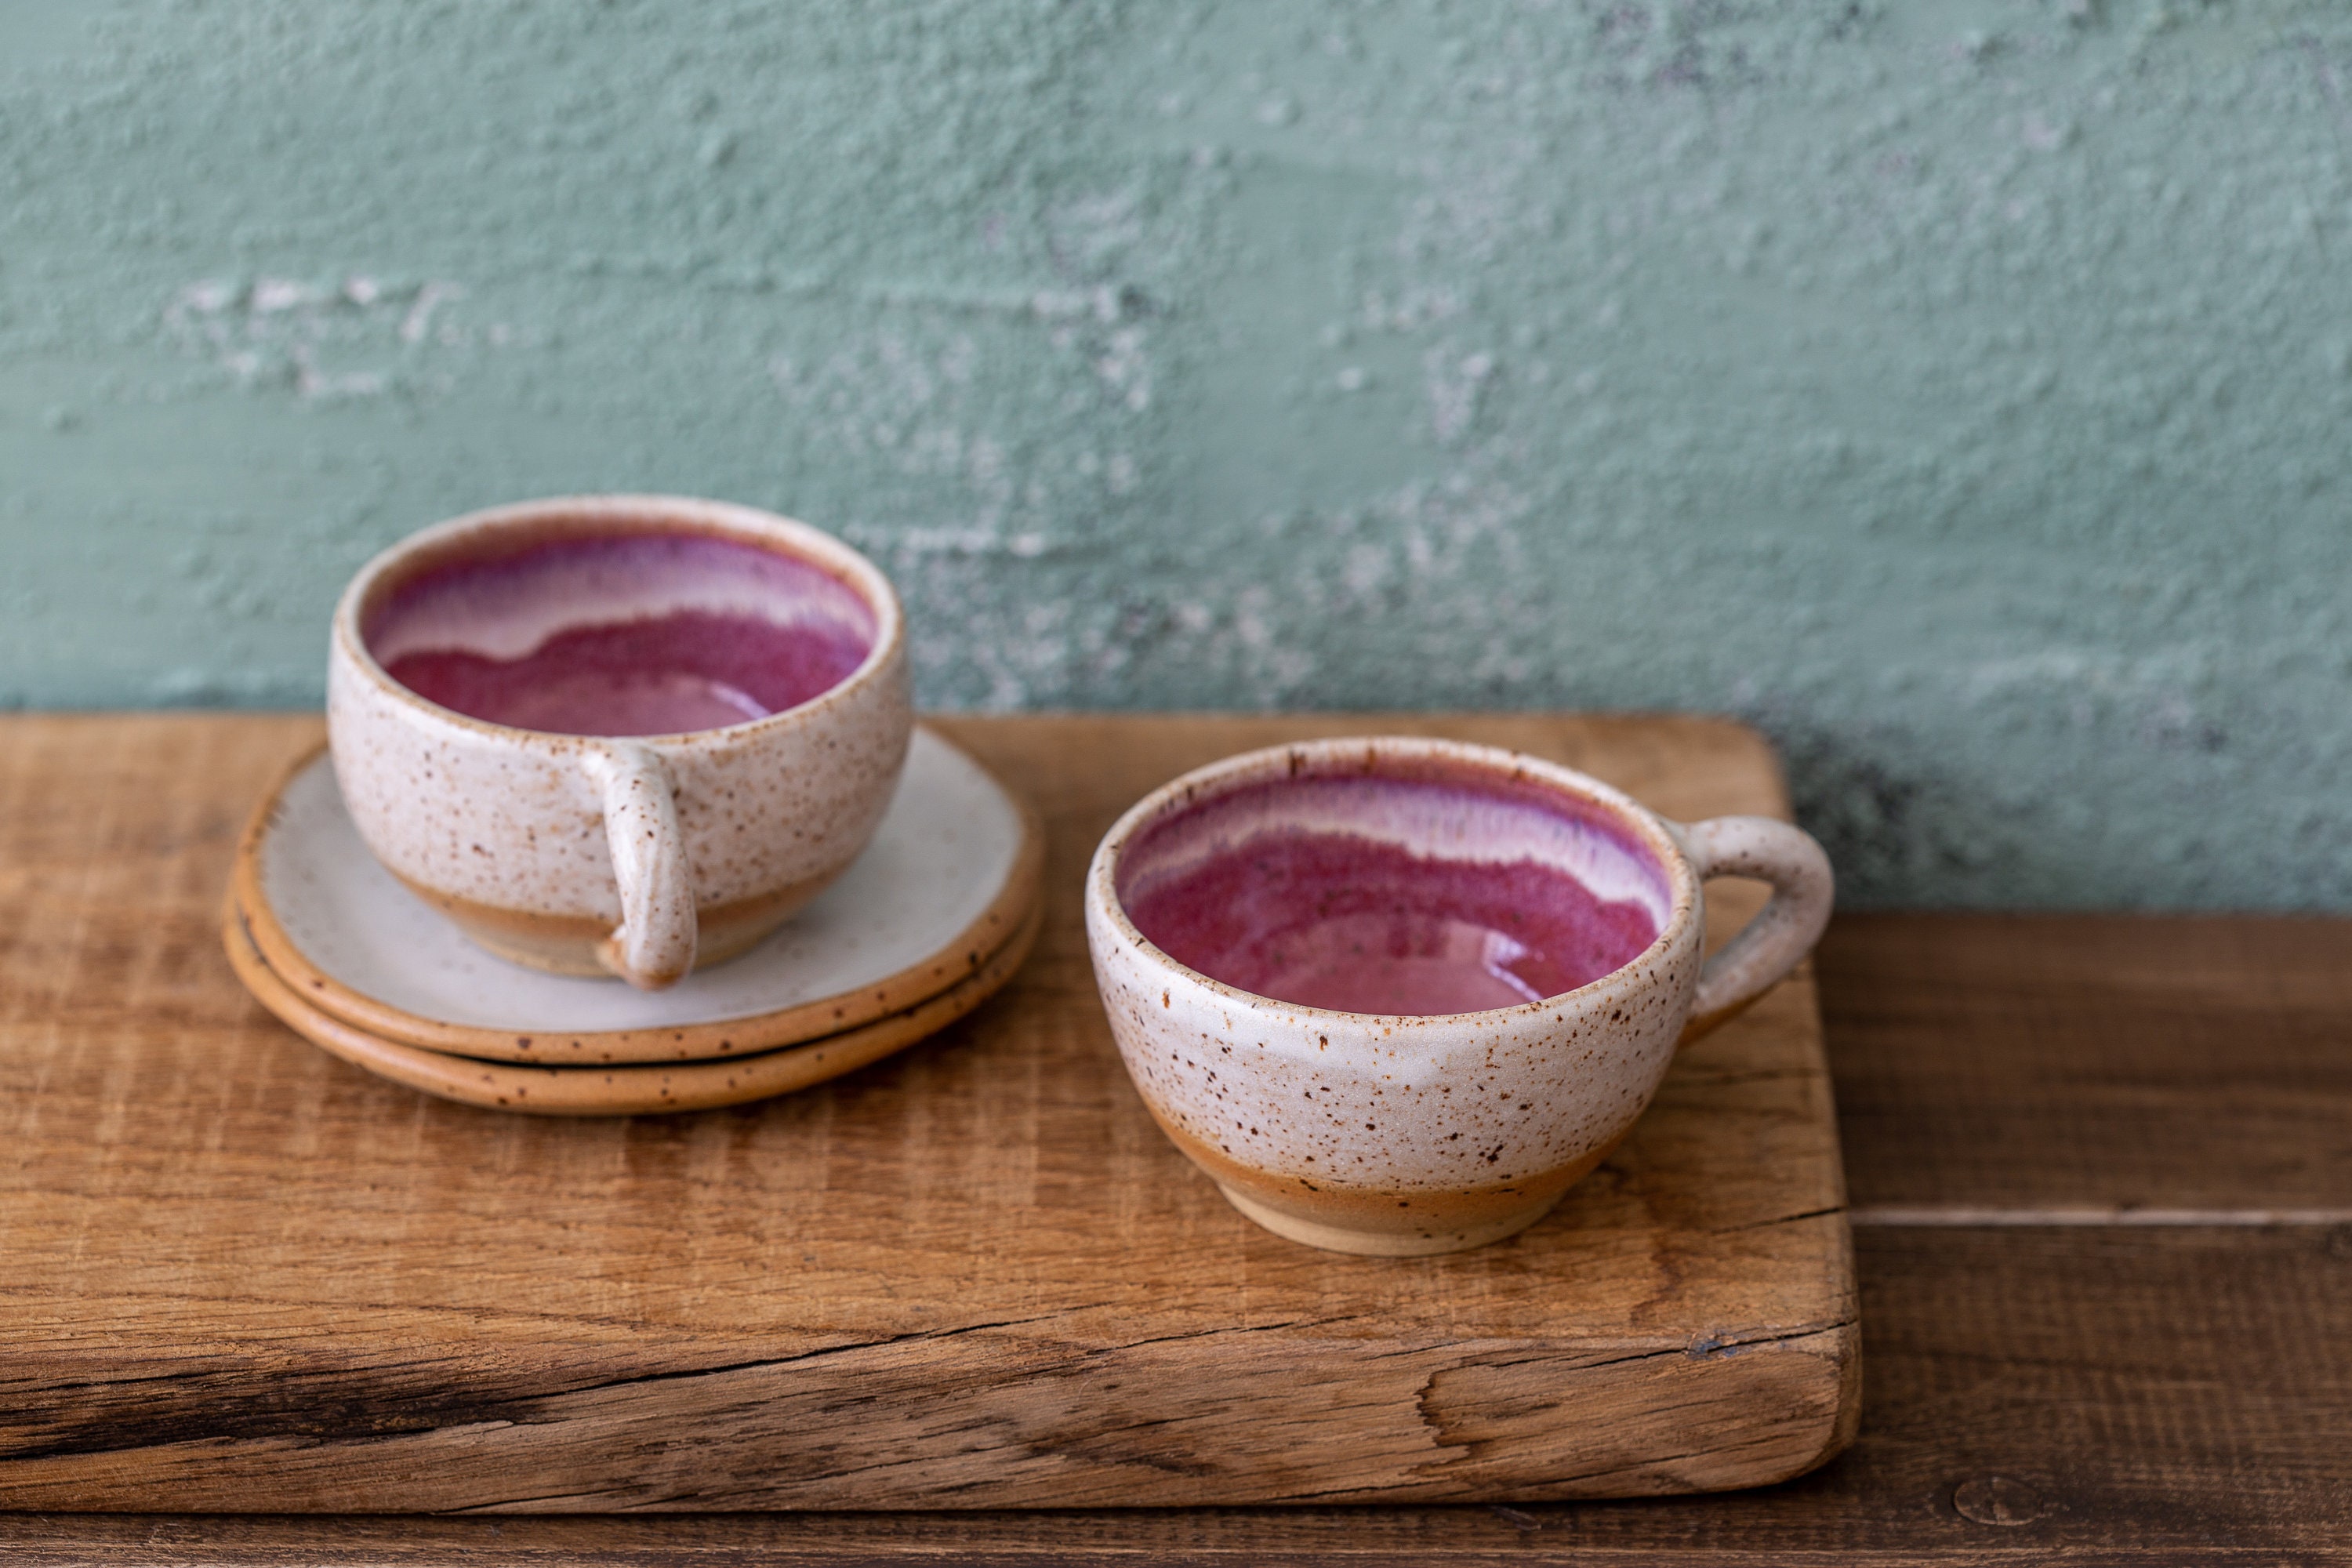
633,855
1402,1134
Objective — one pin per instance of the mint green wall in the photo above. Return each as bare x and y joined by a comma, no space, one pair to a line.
1960,391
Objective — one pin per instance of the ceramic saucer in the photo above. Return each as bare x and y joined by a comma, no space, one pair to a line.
619,1090
948,878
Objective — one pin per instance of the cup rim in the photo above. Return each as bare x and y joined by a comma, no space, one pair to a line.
1657,834
610,513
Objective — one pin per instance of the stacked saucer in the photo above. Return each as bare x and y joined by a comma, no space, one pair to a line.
933,917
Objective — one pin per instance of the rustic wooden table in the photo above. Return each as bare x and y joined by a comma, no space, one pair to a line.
2101,1177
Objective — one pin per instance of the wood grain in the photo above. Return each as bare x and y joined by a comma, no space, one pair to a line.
244,1277
2070,1065
2133,1397
2164,1398
2142,1398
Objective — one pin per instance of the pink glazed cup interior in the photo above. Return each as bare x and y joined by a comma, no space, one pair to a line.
1404,885
616,626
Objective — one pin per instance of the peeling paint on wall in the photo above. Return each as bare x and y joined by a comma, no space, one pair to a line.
1956,390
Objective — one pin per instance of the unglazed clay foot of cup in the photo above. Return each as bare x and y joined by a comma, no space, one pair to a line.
1396,995
618,734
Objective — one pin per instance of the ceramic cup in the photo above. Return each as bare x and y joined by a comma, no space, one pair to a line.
618,734
1395,996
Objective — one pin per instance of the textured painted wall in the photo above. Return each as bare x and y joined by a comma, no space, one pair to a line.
1958,390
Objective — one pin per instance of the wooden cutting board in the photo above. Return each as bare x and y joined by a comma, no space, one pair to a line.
237,1274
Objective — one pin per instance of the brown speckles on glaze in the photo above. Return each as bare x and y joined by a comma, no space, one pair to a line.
488,818
1347,1116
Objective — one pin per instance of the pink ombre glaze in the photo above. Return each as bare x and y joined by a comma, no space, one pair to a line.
1405,896
628,634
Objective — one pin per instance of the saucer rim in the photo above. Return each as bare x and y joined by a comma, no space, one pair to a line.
722,1040
618,1089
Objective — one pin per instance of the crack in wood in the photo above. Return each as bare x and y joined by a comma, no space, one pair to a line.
1520,1406
1780,1219
366,1302
282,1418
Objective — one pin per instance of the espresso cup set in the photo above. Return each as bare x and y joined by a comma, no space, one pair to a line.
1391,995
626,739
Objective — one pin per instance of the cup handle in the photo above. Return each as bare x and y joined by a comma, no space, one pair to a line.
653,947
1777,940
